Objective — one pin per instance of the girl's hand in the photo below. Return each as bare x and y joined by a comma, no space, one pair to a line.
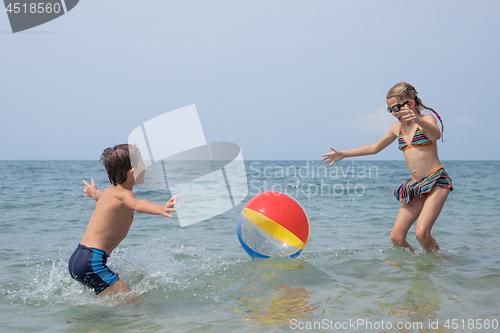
410,115
334,156
168,207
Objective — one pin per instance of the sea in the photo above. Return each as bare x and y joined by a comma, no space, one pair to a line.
198,278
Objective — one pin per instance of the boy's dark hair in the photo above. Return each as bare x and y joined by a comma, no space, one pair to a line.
117,162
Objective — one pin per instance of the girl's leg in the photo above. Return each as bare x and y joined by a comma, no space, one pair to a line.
429,214
407,215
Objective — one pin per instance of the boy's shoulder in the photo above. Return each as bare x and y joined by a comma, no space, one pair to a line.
117,197
118,192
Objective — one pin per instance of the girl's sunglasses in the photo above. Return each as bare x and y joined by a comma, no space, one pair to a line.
396,108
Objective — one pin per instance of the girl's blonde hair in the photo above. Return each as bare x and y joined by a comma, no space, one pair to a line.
406,92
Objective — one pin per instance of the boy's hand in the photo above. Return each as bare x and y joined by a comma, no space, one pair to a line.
91,190
168,207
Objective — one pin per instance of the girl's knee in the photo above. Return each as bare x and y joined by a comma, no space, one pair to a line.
427,241
423,236
397,238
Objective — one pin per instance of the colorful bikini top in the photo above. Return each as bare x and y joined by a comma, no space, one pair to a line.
419,139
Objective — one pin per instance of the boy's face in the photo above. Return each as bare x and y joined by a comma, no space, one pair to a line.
139,170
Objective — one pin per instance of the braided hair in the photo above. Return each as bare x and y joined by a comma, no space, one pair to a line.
406,92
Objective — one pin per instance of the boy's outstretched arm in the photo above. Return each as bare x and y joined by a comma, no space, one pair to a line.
147,207
91,190
168,207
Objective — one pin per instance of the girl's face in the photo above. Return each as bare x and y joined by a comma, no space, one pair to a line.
397,107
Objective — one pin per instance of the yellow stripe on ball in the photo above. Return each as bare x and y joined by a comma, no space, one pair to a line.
273,228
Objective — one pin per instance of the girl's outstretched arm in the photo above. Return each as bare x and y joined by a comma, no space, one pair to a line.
337,155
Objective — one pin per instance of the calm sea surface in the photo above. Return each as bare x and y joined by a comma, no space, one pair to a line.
199,279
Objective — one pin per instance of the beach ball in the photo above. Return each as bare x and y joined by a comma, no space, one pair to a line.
273,224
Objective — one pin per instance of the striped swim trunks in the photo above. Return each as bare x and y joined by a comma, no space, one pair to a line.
414,188
88,266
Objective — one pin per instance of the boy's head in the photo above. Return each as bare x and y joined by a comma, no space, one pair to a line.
118,161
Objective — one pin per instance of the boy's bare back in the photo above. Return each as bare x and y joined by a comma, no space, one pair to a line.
111,220
114,214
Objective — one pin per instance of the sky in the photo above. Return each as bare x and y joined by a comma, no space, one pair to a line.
284,80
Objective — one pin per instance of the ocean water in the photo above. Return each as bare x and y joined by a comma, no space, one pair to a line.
198,278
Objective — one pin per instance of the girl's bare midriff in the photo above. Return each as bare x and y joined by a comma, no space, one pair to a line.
421,160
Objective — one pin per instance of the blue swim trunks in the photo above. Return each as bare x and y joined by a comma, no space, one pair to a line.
87,265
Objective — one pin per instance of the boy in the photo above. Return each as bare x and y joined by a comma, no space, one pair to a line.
112,218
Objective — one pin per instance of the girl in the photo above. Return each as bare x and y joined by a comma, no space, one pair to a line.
424,195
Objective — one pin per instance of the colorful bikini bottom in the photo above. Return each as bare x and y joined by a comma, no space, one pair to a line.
415,188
